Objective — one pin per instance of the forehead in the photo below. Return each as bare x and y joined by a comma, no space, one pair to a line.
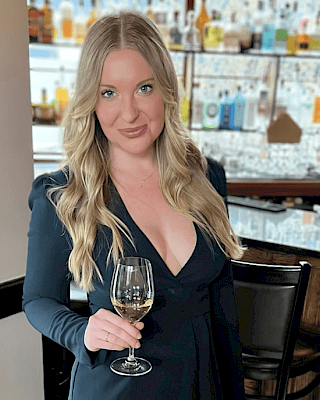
125,65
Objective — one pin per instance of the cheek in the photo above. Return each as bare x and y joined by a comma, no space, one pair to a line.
106,115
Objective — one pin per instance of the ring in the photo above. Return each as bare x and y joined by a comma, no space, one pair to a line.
106,339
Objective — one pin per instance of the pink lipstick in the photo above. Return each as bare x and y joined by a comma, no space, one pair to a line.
133,132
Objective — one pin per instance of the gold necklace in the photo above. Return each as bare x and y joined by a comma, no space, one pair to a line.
142,180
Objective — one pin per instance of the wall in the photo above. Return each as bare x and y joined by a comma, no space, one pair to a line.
20,350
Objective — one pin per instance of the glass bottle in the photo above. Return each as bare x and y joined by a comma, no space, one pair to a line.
211,108
161,20
237,111
94,14
315,34
175,41
66,14
149,11
225,111
80,24
34,21
203,18
191,36
62,97
281,34
47,24
213,34
250,121
303,37
231,38
257,27
245,32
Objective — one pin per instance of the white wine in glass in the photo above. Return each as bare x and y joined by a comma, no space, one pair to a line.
132,294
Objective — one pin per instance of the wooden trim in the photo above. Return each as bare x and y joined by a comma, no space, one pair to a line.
11,297
273,188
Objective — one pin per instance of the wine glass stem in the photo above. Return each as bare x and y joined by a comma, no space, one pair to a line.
131,354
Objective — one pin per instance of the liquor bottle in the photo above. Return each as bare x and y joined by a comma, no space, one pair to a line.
303,37
257,27
237,111
94,14
184,102
66,14
62,97
281,34
250,119
231,39
197,101
175,41
161,20
268,31
203,18
245,32
47,24
34,22
264,109
191,39
149,11
211,108
315,34
80,24
213,34
225,111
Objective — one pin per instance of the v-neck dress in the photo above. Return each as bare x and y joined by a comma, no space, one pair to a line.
190,334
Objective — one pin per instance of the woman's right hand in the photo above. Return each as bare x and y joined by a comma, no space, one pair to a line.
106,330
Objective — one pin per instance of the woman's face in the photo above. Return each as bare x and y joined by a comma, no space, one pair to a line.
129,109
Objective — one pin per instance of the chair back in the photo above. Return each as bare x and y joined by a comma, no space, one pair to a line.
270,301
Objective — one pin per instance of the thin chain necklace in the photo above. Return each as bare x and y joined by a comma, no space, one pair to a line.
142,180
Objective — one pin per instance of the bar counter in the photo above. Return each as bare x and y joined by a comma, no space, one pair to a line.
284,238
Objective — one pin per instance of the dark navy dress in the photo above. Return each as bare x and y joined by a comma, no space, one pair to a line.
190,334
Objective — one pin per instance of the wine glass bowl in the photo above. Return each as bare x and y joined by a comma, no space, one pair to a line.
132,294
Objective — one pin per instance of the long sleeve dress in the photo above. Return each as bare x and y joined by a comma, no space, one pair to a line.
190,334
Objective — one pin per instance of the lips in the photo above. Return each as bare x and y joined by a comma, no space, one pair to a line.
133,132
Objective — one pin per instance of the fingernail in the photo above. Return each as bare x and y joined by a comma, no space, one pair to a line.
139,336
137,345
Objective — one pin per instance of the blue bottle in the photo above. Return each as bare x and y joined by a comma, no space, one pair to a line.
268,35
237,111
225,112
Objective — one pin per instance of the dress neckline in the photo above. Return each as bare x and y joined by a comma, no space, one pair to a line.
151,244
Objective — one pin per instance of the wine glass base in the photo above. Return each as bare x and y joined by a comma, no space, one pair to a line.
122,366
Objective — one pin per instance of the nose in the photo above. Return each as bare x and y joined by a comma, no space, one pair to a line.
129,109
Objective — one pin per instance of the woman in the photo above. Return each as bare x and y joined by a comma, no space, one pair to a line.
135,185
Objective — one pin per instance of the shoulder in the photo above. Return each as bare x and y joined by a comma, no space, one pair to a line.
216,175
44,182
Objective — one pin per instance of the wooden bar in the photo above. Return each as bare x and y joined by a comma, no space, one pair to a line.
273,188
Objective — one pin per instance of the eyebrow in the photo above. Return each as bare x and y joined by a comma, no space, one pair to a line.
137,85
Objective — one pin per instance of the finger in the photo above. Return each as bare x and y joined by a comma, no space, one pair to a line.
117,321
119,336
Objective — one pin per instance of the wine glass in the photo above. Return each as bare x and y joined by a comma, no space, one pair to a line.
132,294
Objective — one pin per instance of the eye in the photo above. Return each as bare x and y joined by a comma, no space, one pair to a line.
108,93
145,89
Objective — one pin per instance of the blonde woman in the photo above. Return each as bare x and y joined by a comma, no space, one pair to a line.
135,185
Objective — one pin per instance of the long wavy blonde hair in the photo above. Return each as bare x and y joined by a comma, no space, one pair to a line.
81,204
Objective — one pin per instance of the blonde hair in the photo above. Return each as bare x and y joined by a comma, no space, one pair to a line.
81,203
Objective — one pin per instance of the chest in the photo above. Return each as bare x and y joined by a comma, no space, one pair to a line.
172,234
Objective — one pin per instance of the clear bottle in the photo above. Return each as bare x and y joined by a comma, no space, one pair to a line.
47,22
161,20
231,38
191,39
237,111
80,24
184,102
175,41
66,10
245,32
211,108
315,35
257,27
197,99
213,34
203,18
250,120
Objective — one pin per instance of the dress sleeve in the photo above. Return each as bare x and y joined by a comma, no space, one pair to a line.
47,280
217,177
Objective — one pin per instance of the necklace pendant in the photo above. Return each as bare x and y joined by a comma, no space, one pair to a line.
142,182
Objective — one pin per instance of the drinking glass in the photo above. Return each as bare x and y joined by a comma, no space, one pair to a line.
132,294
